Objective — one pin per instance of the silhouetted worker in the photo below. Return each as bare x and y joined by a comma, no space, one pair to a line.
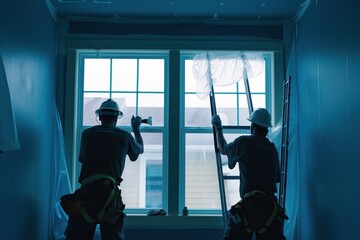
258,210
103,150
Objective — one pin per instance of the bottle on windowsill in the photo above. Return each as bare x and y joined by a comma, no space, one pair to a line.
185,211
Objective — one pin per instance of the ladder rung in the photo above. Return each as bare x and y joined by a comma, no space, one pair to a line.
232,177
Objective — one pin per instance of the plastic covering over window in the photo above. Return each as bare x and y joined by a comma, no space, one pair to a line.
8,132
224,68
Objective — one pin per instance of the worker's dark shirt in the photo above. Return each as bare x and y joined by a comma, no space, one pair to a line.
258,163
103,150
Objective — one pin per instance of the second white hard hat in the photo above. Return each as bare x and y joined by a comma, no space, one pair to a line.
261,117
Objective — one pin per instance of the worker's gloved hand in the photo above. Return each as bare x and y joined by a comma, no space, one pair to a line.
216,121
135,123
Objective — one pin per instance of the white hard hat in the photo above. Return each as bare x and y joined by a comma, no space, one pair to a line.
261,117
109,108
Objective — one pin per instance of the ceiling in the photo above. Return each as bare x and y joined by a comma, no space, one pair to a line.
214,9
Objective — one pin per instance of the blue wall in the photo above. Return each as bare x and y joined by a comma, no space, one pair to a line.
328,71
27,46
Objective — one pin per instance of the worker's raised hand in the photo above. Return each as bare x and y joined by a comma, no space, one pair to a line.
216,121
135,123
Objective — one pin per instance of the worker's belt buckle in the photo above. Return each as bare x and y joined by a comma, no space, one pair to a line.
71,204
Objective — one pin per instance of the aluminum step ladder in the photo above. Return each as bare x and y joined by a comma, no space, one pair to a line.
284,142
221,177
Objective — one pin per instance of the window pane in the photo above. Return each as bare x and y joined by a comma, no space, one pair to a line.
190,81
92,102
257,84
142,180
152,105
197,111
226,105
201,182
259,100
151,75
124,74
154,184
96,74
201,177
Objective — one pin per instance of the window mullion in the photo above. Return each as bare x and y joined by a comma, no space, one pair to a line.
174,134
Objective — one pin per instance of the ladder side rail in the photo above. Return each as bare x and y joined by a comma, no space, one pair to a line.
283,147
246,83
285,142
218,161
286,150
281,190
248,94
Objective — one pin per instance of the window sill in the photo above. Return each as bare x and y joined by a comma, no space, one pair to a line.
174,222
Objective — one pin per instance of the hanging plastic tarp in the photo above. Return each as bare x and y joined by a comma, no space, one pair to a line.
292,189
8,132
224,68
61,181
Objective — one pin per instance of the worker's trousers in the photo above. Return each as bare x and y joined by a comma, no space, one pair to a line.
79,229
93,198
257,212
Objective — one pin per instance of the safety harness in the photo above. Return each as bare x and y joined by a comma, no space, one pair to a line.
277,212
72,204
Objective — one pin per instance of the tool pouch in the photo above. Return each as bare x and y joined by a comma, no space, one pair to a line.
71,204
115,209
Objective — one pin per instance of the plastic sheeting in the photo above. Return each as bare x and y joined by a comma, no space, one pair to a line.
8,132
224,68
61,181
292,193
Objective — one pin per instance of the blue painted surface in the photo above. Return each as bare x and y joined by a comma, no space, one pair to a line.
27,45
328,70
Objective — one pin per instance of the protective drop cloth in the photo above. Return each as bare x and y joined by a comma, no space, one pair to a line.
8,132
224,68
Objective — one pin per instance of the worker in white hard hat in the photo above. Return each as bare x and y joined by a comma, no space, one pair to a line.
258,211
102,154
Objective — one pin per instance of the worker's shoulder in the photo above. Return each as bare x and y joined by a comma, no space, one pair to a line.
257,139
245,137
105,129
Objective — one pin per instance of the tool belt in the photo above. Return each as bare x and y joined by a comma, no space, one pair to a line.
237,212
80,202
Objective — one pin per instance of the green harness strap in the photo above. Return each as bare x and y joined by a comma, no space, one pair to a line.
111,197
95,177
270,219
